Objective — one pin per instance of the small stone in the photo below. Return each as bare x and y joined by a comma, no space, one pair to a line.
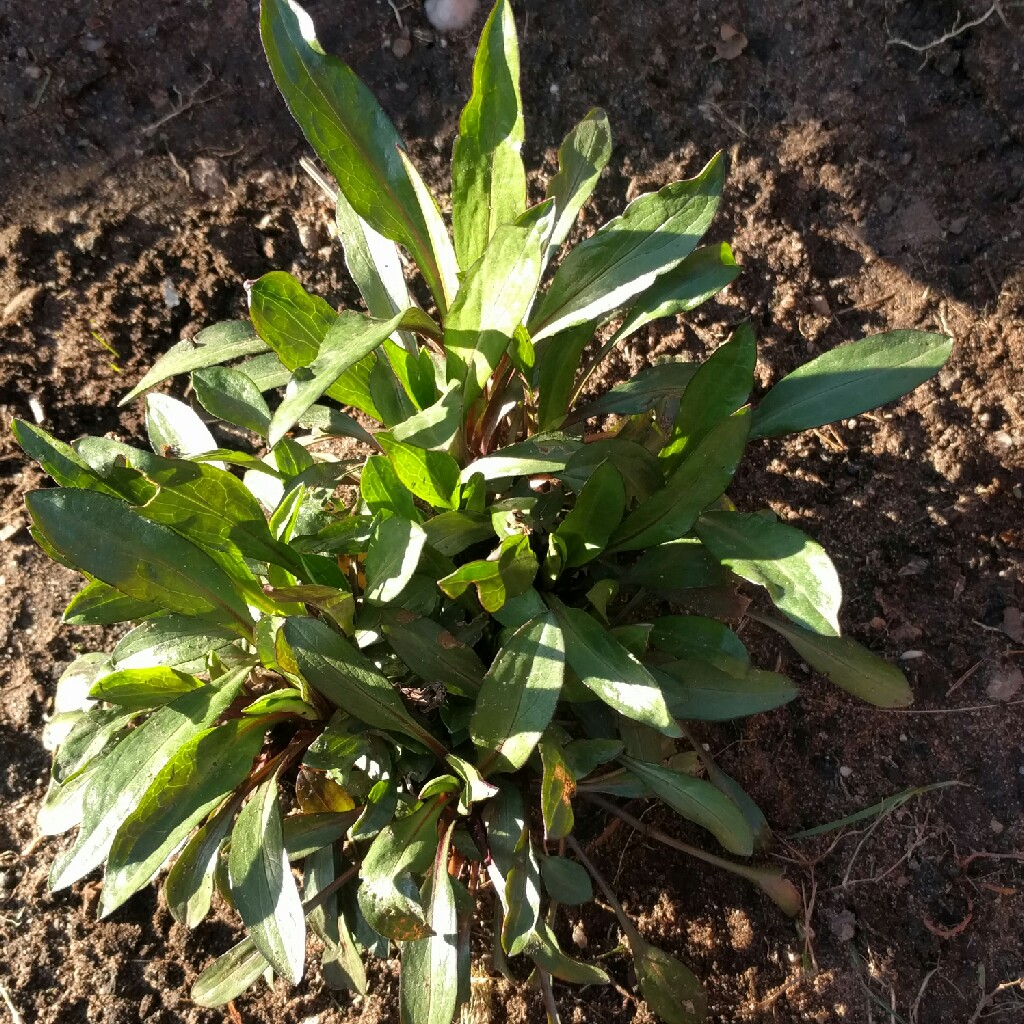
207,176
450,15
997,826
92,44
842,925
310,237
579,935
33,72
401,47
820,305
845,770
21,303
1013,624
171,297
1005,683
957,225
38,412
911,655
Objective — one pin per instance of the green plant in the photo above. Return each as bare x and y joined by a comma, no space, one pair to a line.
406,670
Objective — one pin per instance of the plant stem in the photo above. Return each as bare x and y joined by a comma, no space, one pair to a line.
329,890
544,982
632,935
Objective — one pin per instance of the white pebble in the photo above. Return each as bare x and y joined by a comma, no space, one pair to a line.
38,412
171,296
450,15
845,770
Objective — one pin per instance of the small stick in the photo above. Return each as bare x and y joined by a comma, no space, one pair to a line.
956,30
319,178
184,105
16,1017
550,1006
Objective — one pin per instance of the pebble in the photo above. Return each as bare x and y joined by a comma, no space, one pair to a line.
38,412
845,770
957,225
997,826
450,15
820,305
886,203
310,237
401,47
171,297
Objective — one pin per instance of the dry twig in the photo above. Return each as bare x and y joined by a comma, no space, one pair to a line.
958,29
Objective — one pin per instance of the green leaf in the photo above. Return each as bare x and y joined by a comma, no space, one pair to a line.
797,573
584,153
388,895
670,568
431,652
431,476
393,556
849,665
110,541
545,951
671,512
382,491
202,773
849,380
230,975
488,178
58,459
697,801
493,299
333,423
437,425
540,454
497,579
334,668
705,692
671,990
189,885
172,641
139,688
558,362
210,347
266,371
694,636
450,533
522,897
230,395
98,604
174,429
717,390
348,340
654,234
610,671
342,964
428,993
584,756
566,882
597,513
130,769
373,262
557,788
640,470
262,886
519,696
643,392
355,139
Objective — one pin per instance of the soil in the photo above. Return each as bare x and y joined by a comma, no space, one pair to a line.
146,156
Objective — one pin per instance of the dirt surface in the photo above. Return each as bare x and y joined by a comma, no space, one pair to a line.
146,156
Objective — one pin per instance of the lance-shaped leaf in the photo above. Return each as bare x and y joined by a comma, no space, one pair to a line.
519,695
210,347
110,540
189,885
558,363
431,476
140,688
59,460
334,668
694,636
543,453
382,491
495,295
230,395
588,527
607,668
544,950
431,652
392,558
654,234
172,641
348,340
669,568
488,178
557,788
565,881
130,769
697,801
671,990
582,156
174,428
343,966
202,773
796,571
849,665
262,886
428,993
497,579
671,512
653,387
354,138
849,380
522,897
717,390
389,895
705,692
99,604
436,425
230,975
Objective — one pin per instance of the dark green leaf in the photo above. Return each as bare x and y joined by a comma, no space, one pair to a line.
670,568
655,233
640,471
583,756
522,897
230,395
671,512
590,524
565,881
717,390
849,380
304,834
694,636
429,987
558,363
357,142
210,347
230,975
382,491
697,801
431,652
671,990
98,604
797,573
450,533
172,641
643,392
706,692
201,774
189,885
607,668
557,788
488,179
342,964
849,665
109,540
519,695
59,460
437,425
545,951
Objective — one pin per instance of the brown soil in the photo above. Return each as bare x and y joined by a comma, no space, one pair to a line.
872,187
